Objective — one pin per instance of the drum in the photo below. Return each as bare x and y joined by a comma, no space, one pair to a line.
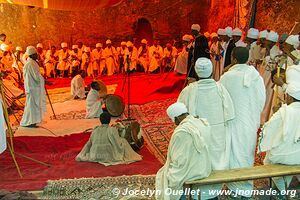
114,105
132,132
103,88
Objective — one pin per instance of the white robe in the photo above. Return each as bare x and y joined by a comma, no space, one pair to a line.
155,57
93,104
78,87
2,130
111,57
247,91
280,138
34,84
210,100
188,157
182,61
132,59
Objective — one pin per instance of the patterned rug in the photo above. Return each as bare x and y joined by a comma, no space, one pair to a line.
99,188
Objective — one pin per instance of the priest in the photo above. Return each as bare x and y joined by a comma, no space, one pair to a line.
94,102
34,85
188,157
247,90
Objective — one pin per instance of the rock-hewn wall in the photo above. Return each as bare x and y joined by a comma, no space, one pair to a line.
279,15
169,19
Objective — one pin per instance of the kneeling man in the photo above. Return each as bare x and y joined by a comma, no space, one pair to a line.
78,86
188,158
105,146
281,134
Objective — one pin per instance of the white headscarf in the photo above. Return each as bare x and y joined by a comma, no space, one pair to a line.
252,33
203,67
175,110
293,81
293,40
30,50
195,27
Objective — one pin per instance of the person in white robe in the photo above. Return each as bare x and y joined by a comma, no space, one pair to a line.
209,99
34,85
94,102
121,53
111,56
188,156
280,136
247,91
98,60
182,59
130,57
237,37
63,62
143,55
6,61
106,147
219,53
78,86
2,129
253,46
17,61
169,57
74,60
50,62
87,61
155,56
265,69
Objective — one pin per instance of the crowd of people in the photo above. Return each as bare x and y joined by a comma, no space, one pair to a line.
235,82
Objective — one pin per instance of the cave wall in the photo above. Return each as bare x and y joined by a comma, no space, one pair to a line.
279,15
169,20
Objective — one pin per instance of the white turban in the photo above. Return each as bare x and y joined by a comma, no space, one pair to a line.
272,36
144,41
228,31
237,32
108,41
75,47
293,81
203,67
129,44
64,45
263,34
87,49
98,45
39,45
123,43
196,27
30,50
252,33
213,35
293,40
207,34
19,48
4,47
175,110
186,38
221,31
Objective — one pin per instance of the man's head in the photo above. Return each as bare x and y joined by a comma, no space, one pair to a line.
95,85
105,118
98,46
123,45
2,37
262,38
221,34
291,44
129,46
32,52
80,44
239,55
204,68
271,39
282,40
64,46
236,34
108,43
293,84
144,43
195,29
177,112
19,50
228,34
75,48
169,46
39,48
252,35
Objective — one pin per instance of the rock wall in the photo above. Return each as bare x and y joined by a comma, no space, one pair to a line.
279,15
169,20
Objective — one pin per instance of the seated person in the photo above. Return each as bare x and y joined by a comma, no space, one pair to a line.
188,157
94,102
280,136
105,146
78,86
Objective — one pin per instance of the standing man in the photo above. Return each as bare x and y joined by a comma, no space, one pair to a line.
228,46
188,157
121,53
182,59
63,64
143,55
155,56
51,61
111,57
247,91
34,84
198,49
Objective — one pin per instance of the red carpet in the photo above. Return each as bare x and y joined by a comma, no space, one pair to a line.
60,152
144,88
